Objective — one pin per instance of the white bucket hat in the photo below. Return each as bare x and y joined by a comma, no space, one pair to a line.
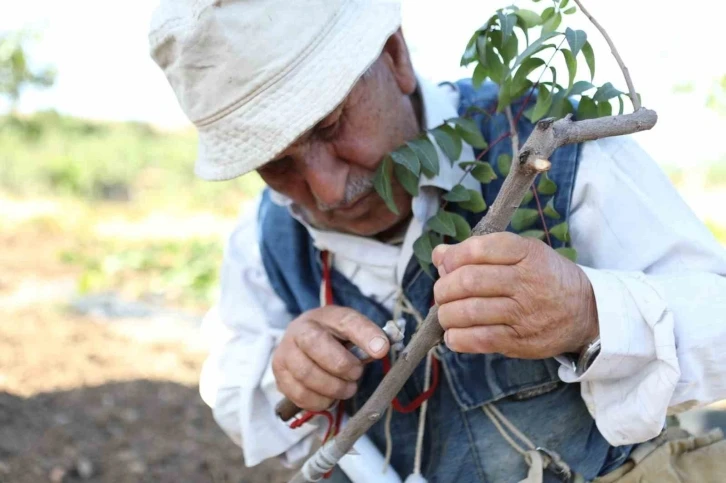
254,75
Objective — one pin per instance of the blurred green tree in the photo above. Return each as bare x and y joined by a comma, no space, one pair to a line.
16,71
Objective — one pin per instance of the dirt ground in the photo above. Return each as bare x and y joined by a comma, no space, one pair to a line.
81,401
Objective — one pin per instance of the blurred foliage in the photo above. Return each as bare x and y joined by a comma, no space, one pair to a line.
51,154
717,98
178,272
16,71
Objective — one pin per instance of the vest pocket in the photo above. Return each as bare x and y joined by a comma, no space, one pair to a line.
479,379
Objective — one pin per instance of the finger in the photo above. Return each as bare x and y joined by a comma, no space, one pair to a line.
483,339
478,311
303,397
477,281
317,343
495,249
348,324
316,379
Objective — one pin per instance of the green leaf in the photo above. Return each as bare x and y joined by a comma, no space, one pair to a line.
524,70
408,180
509,49
606,92
382,183
406,157
527,198
442,223
564,3
587,109
423,247
476,203
479,76
570,11
561,106
524,218
604,108
495,66
481,48
571,66
469,131
525,29
463,230
544,102
530,18
504,163
448,141
482,171
554,78
576,39
552,23
535,47
457,193
427,155
568,252
504,99
546,186
622,105
579,87
589,58
550,211
470,53
506,23
548,13
561,232
533,234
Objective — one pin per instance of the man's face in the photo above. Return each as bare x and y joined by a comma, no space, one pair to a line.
328,172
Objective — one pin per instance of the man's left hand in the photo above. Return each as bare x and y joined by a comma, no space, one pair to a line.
503,293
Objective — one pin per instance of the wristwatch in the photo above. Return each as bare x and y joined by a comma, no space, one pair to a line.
580,364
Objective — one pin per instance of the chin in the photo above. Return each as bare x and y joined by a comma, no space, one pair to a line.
374,223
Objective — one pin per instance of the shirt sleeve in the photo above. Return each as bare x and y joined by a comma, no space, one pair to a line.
658,276
237,380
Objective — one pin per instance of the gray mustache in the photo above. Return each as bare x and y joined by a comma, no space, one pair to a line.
353,190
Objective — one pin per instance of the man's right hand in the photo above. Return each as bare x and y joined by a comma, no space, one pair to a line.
312,367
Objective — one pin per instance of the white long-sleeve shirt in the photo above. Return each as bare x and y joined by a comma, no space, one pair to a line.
659,278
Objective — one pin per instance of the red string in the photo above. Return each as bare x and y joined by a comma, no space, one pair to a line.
326,278
541,215
424,396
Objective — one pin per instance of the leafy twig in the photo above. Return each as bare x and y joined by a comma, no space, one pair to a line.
628,80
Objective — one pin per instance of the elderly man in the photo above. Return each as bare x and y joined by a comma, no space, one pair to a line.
312,95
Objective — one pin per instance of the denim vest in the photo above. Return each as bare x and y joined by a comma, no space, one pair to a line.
460,444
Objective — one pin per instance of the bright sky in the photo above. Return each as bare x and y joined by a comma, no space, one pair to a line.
105,72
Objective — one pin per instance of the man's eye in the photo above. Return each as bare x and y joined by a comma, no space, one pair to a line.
277,167
327,132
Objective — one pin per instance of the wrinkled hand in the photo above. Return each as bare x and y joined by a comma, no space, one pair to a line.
312,366
503,293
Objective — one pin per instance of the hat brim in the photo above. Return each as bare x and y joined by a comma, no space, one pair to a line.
260,129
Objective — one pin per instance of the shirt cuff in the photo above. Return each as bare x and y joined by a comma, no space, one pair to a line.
628,308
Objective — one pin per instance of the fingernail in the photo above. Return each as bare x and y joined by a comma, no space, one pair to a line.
376,344
438,252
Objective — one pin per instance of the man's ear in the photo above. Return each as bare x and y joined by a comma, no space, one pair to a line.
395,54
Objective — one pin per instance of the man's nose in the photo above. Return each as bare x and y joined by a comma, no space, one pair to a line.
326,175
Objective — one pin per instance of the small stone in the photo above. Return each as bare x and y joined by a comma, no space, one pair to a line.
57,474
130,415
84,468
137,467
4,468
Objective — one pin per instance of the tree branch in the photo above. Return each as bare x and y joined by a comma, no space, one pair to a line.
531,160
628,80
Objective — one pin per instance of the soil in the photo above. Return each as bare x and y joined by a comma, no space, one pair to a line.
82,401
